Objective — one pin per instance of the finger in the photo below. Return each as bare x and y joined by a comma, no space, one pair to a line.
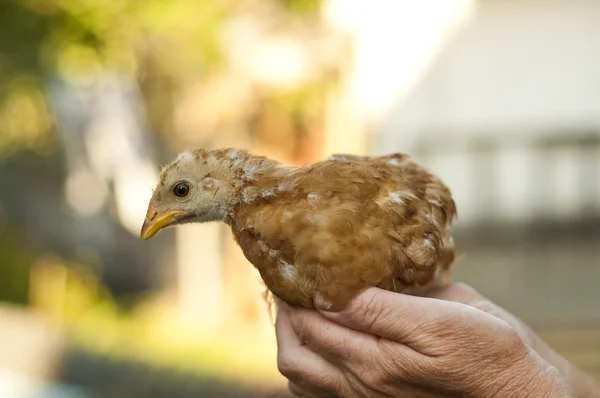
297,362
296,390
395,316
355,353
309,391
458,292
463,293
334,342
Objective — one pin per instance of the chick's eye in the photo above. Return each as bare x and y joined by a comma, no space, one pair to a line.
181,190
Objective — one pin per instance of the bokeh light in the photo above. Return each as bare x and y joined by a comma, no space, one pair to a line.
501,99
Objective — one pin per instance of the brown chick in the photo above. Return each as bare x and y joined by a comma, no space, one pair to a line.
322,233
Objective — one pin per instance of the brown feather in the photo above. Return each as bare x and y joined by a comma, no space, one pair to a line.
324,232
349,224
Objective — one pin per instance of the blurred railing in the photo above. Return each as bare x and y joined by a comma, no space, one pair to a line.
532,179
528,219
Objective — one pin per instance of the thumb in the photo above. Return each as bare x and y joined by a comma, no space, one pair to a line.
394,316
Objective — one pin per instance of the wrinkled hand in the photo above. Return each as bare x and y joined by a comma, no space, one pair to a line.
387,345
582,384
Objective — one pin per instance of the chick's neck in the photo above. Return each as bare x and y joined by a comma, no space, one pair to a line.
260,180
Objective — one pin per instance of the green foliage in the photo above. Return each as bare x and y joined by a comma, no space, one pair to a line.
154,40
23,112
303,7
24,116
78,38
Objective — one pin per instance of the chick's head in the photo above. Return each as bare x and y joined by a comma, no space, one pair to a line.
196,187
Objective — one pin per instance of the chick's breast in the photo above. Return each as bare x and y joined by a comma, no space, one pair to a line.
349,223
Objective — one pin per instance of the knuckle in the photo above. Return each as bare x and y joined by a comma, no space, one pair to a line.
398,365
513,340
463,287
329,386
457,292
301,325
484,305
302,329
378,373
371,310
375,379
287,366
295,389
342,347
304,382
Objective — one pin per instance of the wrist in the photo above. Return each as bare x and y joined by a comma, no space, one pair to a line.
583,385
533,377
527,376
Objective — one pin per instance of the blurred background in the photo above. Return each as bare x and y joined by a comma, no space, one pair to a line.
500,98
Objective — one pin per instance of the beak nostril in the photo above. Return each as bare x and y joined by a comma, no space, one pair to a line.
154,215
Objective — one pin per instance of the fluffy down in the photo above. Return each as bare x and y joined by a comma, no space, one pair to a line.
321,233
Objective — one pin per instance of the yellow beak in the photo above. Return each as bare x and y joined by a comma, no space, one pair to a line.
154,223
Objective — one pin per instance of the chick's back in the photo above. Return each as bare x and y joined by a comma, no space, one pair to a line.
348,223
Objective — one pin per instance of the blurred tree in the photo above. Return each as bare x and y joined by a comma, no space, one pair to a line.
158,41
163,45
303,7
15,262
78,38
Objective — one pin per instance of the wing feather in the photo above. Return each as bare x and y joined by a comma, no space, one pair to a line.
350,222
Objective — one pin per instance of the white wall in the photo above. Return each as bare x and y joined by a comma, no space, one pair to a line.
514,70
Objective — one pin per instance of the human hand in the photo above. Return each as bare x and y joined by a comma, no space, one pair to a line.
582,384
386,344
